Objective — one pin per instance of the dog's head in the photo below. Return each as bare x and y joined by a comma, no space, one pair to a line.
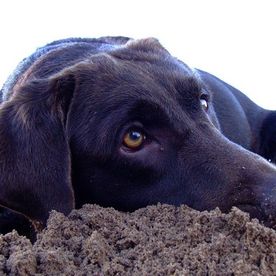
127,128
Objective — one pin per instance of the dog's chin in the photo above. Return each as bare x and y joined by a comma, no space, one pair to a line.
257,213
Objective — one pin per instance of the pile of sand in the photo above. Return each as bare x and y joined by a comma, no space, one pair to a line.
158,240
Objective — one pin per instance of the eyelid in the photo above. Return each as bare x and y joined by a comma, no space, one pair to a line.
133,126
130,127
205,96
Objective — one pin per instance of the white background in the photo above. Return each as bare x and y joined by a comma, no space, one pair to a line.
235,40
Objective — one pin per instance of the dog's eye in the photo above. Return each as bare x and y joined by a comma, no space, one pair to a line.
204,101
134,139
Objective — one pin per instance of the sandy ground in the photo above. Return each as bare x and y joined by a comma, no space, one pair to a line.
157,240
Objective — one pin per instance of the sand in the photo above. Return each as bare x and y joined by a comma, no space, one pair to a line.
157,240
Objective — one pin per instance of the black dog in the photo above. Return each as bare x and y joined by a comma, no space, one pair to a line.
121,123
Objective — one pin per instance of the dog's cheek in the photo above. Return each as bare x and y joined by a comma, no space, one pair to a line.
151,157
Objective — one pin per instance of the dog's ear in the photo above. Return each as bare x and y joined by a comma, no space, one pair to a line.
35,174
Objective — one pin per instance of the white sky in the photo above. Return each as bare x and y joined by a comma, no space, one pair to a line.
234,40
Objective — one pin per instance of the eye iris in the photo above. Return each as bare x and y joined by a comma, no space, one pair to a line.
133,139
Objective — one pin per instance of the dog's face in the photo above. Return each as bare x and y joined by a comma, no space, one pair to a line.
127,129
134,129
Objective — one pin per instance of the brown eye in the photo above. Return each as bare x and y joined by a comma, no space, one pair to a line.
133,139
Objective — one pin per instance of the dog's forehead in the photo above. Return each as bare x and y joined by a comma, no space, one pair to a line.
143,60
140,69
140,74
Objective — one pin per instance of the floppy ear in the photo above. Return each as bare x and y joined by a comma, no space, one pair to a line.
35,162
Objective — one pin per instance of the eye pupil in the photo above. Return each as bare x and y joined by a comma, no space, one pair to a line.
135,135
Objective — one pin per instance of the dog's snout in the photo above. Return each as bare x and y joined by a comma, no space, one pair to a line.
260,203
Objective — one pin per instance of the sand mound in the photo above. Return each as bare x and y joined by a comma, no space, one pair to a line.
157,240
